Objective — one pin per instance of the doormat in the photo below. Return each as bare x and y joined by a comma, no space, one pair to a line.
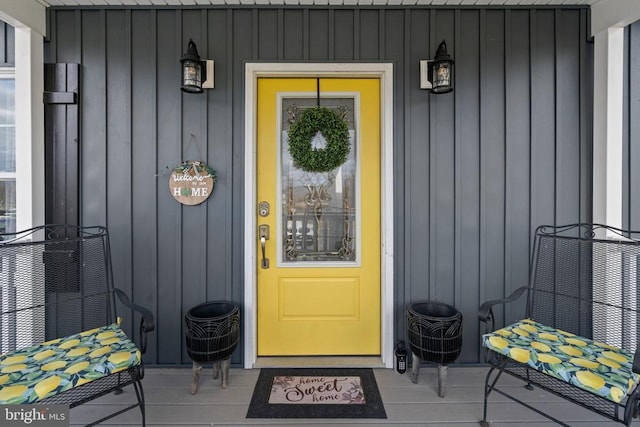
316,393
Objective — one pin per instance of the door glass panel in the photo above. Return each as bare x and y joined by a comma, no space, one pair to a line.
318,208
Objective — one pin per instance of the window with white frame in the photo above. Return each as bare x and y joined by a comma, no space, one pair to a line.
7,151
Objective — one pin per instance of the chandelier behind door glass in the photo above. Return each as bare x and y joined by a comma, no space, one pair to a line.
318,208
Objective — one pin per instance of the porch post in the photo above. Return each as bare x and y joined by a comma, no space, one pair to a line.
607,127
28,17
29,128
608,19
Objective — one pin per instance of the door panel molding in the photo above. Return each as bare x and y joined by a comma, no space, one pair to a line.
383,71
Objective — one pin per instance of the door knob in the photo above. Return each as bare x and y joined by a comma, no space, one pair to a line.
263,231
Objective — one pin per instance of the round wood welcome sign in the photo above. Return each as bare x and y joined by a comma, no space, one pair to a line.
192,182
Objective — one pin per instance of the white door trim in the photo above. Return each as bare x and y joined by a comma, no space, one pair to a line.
383,71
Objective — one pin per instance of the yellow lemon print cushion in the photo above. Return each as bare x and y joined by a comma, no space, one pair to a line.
576,342
616,394
521,332
498,342
75,368
120,357
46,386
12,391
68,344
519,354
608,362
590,379
110,341
13,359
100,351
603,345
528,327
105,335
570,350
540,346
14,368
43,355
78,351
615,356
89,332
52,366
584,363
548,358
547,336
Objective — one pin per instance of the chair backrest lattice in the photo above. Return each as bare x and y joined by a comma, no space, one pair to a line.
54,281
584,280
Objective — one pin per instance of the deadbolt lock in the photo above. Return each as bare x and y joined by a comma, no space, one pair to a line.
263,208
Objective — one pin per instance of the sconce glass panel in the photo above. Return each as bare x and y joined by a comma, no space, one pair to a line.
191,76
442,72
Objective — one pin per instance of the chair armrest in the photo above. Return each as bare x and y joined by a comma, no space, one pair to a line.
636,362
485,312
147,323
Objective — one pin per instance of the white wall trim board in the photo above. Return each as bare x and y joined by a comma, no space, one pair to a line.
607,127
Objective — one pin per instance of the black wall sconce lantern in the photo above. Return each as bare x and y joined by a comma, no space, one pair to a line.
196,73
437,75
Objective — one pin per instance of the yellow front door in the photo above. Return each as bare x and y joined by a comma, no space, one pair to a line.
319,287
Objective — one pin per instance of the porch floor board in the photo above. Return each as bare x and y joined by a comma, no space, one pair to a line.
169,402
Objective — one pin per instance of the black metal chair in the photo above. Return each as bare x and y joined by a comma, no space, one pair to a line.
58,307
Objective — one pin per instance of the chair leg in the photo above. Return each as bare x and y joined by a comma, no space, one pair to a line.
528,386
488,386
118,390
140,395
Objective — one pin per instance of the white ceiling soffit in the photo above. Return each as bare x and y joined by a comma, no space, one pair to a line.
318,2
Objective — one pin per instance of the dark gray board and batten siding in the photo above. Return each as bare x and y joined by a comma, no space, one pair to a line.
7,45
475,170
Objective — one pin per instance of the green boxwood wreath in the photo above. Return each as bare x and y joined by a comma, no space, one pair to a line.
335,131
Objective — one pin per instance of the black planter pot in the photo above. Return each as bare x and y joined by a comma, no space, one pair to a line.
213,330
435,335
212,333
435,331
